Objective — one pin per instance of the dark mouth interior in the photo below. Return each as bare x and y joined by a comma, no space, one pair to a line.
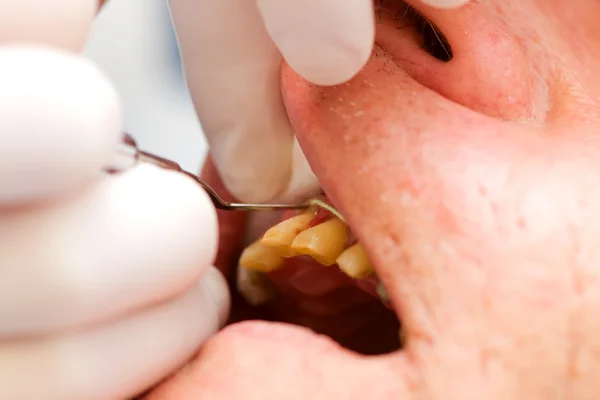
382,335
433,41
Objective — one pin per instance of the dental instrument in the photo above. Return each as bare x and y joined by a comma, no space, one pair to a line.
128,155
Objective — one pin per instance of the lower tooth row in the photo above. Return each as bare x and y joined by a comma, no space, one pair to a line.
325,243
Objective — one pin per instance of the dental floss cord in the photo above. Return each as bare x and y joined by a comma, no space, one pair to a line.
326,206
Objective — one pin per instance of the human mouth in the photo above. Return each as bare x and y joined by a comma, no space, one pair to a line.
318,235
311,267
321,237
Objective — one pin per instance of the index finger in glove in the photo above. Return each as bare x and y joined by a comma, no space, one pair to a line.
133,240
232,71
232,67
326,42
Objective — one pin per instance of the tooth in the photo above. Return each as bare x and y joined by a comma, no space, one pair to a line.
355,262
282,235
259,257
323,242
254,287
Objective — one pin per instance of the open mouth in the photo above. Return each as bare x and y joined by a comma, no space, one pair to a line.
318,236
319,242
319,239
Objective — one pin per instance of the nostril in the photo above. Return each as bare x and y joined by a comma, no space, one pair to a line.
404,17
434,41
490,72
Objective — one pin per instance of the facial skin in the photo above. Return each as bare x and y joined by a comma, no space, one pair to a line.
474,186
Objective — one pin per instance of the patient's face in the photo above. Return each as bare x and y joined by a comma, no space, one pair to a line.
474,186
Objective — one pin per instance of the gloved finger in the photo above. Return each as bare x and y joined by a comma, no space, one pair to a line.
120,360
232,71
60,120
303,181
136,239
60,23
326,42
446,3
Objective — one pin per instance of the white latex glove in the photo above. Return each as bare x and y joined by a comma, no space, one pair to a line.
232,52
105,282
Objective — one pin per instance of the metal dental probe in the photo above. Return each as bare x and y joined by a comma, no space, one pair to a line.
128,155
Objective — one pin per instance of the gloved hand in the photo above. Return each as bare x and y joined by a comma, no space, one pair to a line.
232,51
105,281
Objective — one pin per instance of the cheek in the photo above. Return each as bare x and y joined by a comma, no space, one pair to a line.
385,144
446,200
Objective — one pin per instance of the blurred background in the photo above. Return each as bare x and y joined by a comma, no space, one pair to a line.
134,43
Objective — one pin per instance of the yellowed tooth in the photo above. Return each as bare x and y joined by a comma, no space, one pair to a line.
282,235
323,242
259,257
255,287
355,262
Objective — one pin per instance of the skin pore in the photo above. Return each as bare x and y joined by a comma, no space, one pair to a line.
473,185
